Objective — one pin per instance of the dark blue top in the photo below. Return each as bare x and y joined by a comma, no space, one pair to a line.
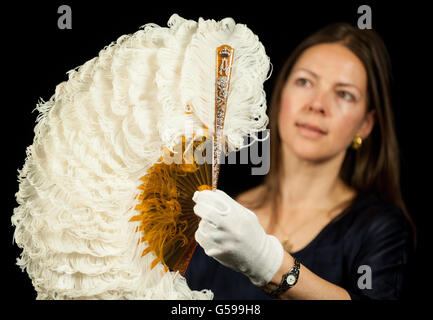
369,233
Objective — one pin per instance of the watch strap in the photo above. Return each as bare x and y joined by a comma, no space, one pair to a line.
288,280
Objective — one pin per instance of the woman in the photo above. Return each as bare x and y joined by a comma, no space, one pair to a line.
329,215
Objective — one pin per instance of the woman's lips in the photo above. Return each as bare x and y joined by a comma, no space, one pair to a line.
310,131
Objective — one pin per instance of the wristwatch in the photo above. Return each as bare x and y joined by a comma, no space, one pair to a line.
288,280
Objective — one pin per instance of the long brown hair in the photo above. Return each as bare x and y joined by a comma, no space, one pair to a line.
375,167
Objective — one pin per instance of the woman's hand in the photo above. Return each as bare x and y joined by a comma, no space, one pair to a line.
232,235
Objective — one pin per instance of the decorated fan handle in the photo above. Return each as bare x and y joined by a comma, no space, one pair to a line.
224,59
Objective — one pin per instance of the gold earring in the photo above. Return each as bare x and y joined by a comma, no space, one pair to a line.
357,142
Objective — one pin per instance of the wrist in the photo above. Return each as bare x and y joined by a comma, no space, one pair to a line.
271,258
287,263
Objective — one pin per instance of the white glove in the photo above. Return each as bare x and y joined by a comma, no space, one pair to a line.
232,235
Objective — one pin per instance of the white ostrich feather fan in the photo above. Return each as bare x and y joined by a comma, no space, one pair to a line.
101,132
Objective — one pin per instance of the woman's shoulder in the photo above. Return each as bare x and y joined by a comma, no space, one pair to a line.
370,208
379,238
372,218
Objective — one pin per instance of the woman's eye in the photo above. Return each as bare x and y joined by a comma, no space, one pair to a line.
346,95
302,81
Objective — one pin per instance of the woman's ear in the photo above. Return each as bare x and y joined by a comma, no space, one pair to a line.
368,124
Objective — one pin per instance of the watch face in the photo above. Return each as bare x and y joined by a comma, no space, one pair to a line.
291,279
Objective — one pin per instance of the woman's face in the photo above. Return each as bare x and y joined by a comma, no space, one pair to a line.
324,103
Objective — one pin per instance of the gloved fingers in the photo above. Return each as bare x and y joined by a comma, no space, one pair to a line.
208,213
210,248
213,198
207,228
250,212
223,194
215,234
202,236
227,199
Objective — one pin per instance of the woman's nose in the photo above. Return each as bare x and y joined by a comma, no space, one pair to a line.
319,104
316,109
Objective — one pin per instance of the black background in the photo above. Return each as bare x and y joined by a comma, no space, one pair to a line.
38,55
